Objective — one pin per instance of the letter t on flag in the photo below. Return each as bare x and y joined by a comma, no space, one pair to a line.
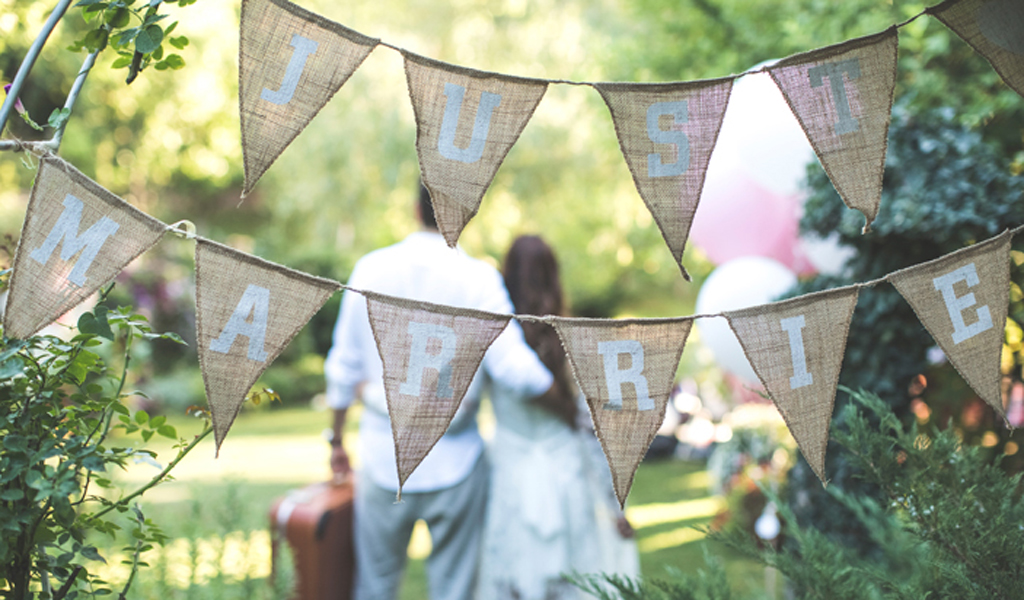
626,369
247,310
291,62
842,96
76,238
430,354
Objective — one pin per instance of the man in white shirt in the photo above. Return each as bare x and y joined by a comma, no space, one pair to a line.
448,490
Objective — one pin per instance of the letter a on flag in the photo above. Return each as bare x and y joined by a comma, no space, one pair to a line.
666,132
626,369
76,238
430,354
291,62
962,299
466,122
842,96
796,348
994,28
247,310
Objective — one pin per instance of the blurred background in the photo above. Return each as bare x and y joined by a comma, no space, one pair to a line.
770,224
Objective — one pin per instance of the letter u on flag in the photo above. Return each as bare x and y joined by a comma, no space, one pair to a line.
626,369
666,133
796,348
76,238
466,122
842,96
291,62
430,354
962,299
247,310
994,28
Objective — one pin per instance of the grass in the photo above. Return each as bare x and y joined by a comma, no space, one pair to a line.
216,511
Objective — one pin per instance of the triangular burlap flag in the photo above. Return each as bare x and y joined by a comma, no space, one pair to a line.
77,237
430,353
626,369
247,310
666,132
962,299
466,122
290,63
842,96
796,348
994,28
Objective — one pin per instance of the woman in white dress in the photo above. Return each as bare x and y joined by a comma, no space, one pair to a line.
551,509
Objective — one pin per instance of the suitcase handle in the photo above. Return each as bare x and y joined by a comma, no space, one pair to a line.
321,525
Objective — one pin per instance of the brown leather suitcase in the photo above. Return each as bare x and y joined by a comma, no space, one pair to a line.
316,521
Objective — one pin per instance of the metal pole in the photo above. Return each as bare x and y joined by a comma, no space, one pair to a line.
30,60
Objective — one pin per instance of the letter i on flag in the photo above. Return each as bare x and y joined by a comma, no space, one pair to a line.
77,237
430,354
247,310
666,133
962,299
291,62
994,28
842,96
626,369
796,348
466,122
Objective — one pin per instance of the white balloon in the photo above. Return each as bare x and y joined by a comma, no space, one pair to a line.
761,138
826,253
740,283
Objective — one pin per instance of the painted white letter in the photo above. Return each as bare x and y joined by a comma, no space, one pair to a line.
66,228
303,48
450,121
834,73
956,306
256,302
801,377
616,377
420,360
679,112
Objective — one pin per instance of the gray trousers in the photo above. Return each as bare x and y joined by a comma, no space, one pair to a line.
455,519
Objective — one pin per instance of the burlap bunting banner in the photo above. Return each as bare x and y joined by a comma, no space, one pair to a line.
994,28
667,133
291,62
247,310
430,353
962,299
76,238
796,348
626,369
842,95
466,122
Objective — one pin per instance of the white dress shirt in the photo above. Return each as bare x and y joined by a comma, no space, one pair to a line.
422,267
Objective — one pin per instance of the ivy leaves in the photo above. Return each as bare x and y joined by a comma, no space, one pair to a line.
136,31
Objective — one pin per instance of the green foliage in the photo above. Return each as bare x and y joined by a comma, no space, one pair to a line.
710,584
135,32
60,403
947,524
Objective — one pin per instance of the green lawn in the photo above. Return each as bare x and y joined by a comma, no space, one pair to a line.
216,511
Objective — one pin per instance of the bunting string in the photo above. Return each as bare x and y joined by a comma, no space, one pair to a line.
77,236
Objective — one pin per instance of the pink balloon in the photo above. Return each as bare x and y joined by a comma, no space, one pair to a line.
738,217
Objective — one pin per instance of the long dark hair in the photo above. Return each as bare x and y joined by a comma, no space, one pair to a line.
533,283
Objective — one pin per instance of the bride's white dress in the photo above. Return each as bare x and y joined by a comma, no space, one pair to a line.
551,509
